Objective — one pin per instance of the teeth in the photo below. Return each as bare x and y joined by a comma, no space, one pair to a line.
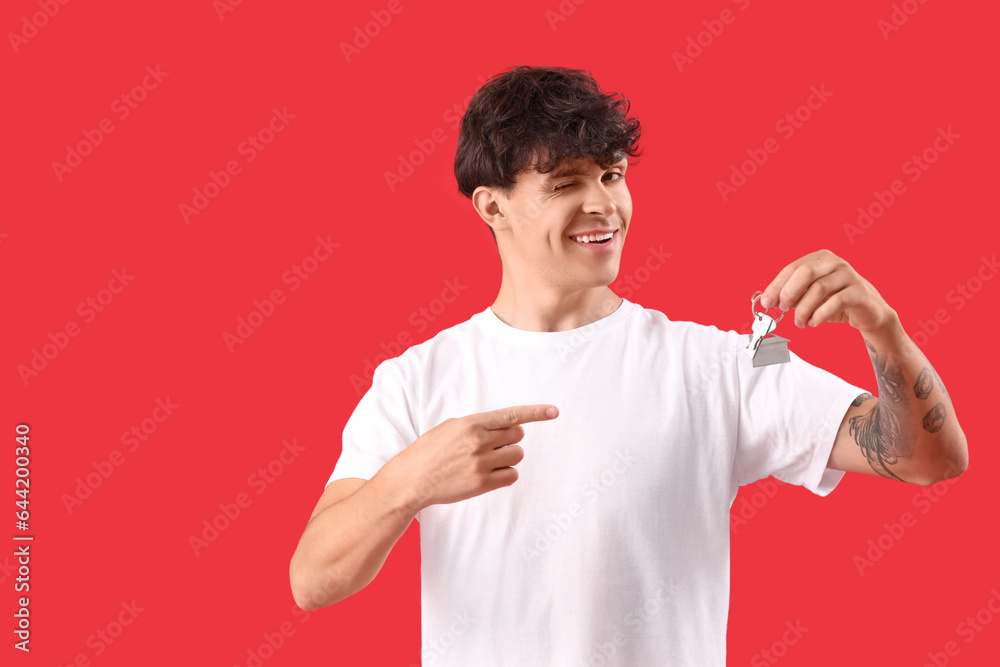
593,237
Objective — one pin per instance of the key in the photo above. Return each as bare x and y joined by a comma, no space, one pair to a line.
762,349
762,325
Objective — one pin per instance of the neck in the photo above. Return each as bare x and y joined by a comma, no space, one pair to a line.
550,308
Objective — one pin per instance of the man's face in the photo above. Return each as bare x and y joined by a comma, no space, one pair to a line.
545,211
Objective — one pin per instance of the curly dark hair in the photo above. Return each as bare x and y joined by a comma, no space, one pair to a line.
543,114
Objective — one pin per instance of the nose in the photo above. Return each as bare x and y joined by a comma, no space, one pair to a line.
599,201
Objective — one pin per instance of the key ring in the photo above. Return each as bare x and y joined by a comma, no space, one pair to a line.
753,307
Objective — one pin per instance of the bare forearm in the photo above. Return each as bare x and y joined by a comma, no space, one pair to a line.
343,547
913,422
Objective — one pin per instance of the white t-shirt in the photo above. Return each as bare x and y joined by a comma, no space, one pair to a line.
612,547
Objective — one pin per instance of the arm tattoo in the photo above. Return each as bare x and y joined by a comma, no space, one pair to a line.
861,399
889,382
934,419
922,387
940,384
889,377
876,432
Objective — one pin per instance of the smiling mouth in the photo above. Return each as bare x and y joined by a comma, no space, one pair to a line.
595,238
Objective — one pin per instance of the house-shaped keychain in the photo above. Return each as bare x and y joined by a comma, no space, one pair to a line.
763,349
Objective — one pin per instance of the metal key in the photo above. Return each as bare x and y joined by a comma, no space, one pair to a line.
762,325
762,349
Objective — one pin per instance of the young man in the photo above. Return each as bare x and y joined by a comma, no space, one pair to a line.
571,456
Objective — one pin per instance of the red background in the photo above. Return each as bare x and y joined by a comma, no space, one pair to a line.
324,174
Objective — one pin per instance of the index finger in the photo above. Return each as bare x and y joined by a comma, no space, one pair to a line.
518,414
769,299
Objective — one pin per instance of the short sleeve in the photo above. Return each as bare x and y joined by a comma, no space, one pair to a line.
789,415
379,428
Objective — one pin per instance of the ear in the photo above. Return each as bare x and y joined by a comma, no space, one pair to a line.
492,207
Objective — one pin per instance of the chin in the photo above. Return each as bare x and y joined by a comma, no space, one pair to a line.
606,279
